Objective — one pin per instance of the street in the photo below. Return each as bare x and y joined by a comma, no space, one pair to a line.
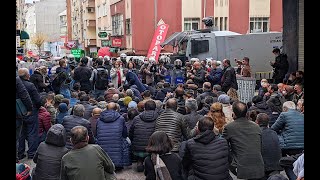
127,174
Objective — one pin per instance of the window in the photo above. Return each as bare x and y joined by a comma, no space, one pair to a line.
216,3
191,24
215,22
128,26
98,11
199,46
221,3
104,10
259,24
221,23
226,3
225,23
117,24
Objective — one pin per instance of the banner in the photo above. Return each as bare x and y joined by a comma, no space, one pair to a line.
158,38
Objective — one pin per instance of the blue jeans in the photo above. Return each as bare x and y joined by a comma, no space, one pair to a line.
97,93
290,173
29,132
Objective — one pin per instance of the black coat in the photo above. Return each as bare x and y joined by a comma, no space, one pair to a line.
200,98
49,154
181,105
204,111
206,157
281,67
37,79
271,151
173,163
262,107
22,93
199,77
33,93
71,121
82,74
88,109
229,79
192,119
142,128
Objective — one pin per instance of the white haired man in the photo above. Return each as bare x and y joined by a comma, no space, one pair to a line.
290,127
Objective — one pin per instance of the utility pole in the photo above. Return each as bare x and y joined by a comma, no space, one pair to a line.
155,13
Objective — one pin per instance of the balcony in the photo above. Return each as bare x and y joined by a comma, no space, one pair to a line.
90,42
91,23
89,4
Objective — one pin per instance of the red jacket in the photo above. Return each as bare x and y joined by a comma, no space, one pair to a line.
44,121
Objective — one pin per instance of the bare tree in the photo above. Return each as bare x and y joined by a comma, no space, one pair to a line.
38,39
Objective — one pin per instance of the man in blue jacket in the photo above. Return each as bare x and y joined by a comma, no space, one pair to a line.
290,128
215,73
133,79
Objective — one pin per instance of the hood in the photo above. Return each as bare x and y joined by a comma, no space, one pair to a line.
205,137
63,107
56,135
109,116
149,116
261,105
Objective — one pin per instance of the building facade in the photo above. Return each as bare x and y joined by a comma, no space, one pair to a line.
103,22
89,26
31,26
119,23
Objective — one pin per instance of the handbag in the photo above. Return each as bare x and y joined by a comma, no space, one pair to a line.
21,109
161,170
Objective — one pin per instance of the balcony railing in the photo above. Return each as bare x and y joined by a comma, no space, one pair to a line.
89,4
91,23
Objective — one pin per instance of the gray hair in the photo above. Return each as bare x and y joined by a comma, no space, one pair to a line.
23,72
78,110
159,104
191,104
129,92
217,87
288,105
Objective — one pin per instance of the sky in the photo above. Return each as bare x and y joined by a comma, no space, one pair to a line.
29,1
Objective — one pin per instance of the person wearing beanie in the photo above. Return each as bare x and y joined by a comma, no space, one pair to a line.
227,107
126,100
58,99
132,105
62,112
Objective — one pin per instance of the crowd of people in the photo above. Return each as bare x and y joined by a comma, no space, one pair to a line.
90,120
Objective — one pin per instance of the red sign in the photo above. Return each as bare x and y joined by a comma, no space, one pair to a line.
116,42
158,38
71,44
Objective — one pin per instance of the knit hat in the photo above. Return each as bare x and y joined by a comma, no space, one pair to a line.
132,104
58,98
126,100
224,99
63,107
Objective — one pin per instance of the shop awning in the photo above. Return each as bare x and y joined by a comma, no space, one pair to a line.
24,35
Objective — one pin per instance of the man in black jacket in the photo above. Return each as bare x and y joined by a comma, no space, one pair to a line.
280,65
140,131
82,74
207,91
99,79
271,151
192,116
206,155
198,75
30,123
21,93
77,120
228,79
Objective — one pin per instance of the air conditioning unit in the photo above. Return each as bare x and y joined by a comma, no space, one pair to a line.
90,10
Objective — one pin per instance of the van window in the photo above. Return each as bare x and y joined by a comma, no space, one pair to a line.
199,46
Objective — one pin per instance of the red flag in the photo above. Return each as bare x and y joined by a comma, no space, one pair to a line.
158,38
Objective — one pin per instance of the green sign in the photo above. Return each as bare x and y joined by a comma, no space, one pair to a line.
105,43
103,34
77,52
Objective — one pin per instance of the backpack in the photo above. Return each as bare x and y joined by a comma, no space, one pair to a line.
102,79
160,168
